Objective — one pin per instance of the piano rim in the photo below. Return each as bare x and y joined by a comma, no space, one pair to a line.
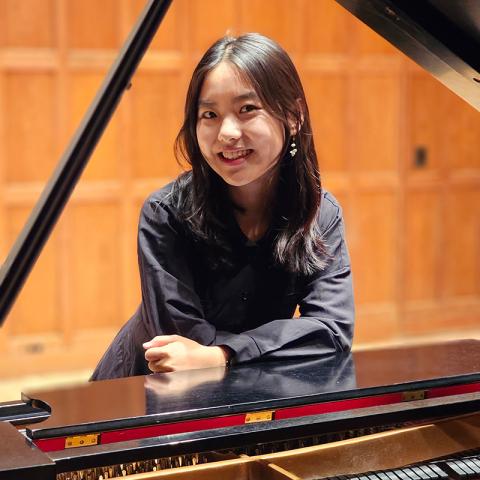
419,412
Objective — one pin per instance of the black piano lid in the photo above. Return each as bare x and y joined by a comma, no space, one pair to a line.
196,394
442,36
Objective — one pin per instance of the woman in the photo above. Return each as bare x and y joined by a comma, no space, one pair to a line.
228,250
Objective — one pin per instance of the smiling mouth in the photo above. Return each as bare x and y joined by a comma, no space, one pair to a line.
231,156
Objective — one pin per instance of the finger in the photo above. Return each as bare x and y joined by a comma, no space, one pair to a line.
160,367
156,353
160,341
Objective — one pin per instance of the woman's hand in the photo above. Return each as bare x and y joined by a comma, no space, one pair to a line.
169,353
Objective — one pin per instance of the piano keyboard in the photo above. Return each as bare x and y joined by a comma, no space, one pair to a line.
463,466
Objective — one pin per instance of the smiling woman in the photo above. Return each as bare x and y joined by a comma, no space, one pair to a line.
238,138
230,249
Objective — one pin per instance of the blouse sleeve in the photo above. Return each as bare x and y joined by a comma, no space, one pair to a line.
170,304
326,305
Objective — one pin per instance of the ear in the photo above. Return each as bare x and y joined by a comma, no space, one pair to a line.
295,123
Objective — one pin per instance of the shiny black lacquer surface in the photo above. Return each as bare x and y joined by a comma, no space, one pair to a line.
204,393
20,460
443,36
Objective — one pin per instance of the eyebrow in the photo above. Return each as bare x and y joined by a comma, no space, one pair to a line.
251,95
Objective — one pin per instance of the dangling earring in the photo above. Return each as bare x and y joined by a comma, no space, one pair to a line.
293,150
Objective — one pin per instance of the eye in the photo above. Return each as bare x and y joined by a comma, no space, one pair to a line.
248,108
207,115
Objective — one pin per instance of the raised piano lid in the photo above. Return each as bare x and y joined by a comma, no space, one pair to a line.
442,36
163,404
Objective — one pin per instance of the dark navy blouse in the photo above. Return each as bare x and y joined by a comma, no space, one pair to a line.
248,307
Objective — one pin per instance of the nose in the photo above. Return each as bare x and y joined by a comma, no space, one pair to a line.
229,131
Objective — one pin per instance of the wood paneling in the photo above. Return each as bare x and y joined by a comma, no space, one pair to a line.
398,150
93,25
326,92
426,127
377,121
200,15
460,135
423,250
156,119
327,29
36,310
94,262
375,222
28,24
278,19
461,253
30,125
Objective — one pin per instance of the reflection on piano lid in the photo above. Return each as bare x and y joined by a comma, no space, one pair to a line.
443,36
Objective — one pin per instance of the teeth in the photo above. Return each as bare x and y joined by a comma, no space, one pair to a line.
234,155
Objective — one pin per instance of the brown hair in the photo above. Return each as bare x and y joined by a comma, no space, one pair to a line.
263,64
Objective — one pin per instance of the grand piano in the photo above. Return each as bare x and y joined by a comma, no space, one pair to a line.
403,413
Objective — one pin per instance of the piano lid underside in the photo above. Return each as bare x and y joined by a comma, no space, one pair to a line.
442,36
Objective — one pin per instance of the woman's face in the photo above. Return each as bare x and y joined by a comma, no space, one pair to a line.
238,138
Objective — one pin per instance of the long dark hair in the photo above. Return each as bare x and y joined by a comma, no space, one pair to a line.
262,63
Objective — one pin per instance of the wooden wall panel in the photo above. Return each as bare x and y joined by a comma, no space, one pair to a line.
28,23
461,253
94,263
93,25
200,14
156,119
375,215
423,250
376,122
327,28
426,129
31,125
326,92
446,299
461,136
36,310
278,19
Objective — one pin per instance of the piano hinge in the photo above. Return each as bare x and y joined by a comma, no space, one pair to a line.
265,416
82,440
414,395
